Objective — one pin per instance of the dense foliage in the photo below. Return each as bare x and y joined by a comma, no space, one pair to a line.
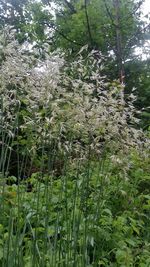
94,217
74,167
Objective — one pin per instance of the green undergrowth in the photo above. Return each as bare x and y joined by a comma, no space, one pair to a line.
97,216
74,165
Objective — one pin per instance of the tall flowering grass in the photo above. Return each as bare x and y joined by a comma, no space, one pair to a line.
69,149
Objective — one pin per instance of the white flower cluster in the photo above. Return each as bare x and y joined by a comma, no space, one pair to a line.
71,105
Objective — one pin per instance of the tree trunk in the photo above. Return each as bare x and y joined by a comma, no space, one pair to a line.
119,53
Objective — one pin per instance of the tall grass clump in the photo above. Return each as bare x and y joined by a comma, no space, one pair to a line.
74,168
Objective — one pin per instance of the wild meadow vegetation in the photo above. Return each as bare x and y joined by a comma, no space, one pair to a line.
74,188
74,134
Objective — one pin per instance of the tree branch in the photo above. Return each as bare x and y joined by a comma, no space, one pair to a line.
109,14
62,34
88,23
70,6
139,31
